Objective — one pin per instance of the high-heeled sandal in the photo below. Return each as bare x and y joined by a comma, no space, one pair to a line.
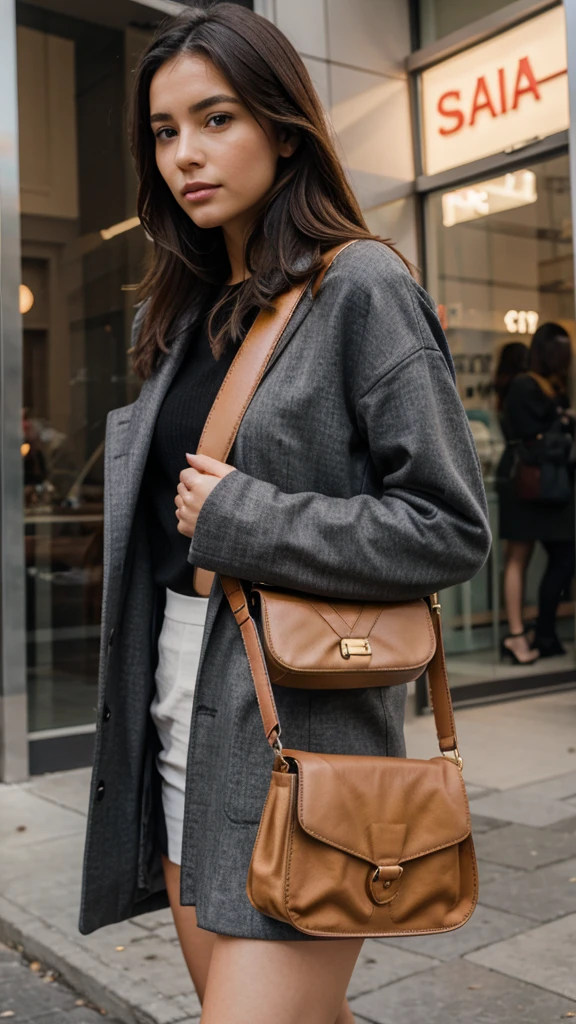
507,652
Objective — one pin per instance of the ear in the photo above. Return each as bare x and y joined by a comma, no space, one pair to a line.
287,144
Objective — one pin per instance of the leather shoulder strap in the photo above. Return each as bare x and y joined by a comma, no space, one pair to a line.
249,366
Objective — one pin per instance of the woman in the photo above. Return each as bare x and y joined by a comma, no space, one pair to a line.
536,403
514,359
354,475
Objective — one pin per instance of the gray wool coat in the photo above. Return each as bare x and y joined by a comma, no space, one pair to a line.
357,478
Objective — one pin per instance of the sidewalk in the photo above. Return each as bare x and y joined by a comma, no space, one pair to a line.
515,961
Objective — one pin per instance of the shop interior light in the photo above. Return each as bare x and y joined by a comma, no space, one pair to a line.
118,229
517,188
25,298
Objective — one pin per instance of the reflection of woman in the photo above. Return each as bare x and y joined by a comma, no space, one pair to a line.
355,475
536,404
514,359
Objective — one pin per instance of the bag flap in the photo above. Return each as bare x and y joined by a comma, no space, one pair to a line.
303,633
384,810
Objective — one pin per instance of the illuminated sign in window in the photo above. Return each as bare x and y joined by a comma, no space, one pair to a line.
511,190
498,95
521,321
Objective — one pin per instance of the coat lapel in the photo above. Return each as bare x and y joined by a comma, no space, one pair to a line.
128,450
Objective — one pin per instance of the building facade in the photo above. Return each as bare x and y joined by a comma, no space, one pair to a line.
453,123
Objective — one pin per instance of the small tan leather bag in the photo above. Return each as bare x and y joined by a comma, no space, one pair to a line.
348,846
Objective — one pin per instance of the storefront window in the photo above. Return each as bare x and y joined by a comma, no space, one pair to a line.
500,262
440,17
82,255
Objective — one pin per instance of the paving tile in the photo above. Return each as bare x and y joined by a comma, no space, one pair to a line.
486,925
462,992
68,789
544,956
154,960
482,824
39,819
489,872
520,846
540,895
474,792
189,1004
568,825
155,920
29,997
552,789
523,808
380,965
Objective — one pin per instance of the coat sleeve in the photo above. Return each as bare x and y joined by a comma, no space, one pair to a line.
423,524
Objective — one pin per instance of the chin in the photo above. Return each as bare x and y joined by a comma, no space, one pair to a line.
207,218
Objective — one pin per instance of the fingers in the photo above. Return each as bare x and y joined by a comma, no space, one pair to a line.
204,464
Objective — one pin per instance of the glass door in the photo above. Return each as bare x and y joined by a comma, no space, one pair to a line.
499,263
82,256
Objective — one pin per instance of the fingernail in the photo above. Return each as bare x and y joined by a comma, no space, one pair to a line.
189,456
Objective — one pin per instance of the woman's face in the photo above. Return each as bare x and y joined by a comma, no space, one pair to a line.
217,160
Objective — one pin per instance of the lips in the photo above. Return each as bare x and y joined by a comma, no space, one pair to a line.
194,191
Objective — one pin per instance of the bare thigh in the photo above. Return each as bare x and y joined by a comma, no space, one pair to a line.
256,982
196,943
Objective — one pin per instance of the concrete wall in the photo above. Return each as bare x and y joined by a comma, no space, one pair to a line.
355,52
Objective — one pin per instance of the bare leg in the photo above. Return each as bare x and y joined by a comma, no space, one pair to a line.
518,554
255,982
196,943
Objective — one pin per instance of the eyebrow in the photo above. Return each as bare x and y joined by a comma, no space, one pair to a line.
210,101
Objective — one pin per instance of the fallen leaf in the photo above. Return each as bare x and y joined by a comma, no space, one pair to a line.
35,965
572,750
572,879
22,828
119,949
473,988
7,1013
80,1002
570,1014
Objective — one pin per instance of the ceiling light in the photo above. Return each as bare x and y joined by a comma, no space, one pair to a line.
517,188
25,298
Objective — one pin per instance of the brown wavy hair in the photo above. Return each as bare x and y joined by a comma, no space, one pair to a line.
310,208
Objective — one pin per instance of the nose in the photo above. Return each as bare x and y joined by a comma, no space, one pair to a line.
189,152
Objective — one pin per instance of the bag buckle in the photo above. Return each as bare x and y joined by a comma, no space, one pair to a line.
454,756
352,645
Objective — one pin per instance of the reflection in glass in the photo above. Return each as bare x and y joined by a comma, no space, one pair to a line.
82,255
497,275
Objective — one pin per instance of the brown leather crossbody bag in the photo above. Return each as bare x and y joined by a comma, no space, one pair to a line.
348,845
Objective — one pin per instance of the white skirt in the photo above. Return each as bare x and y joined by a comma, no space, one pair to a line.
179,654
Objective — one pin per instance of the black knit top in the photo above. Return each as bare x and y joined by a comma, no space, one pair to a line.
178,428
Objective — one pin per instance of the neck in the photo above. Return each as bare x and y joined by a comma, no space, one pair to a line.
235,241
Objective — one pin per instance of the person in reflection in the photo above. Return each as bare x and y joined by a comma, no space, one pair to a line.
536,405
514,360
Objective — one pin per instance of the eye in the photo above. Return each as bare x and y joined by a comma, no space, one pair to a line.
218,120
166,133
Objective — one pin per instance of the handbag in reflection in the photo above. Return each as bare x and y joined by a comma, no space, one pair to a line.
541,471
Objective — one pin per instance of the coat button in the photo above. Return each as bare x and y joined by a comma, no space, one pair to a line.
100,791
106,713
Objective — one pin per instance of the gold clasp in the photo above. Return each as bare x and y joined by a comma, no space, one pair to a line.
351,645
435,602
454,756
